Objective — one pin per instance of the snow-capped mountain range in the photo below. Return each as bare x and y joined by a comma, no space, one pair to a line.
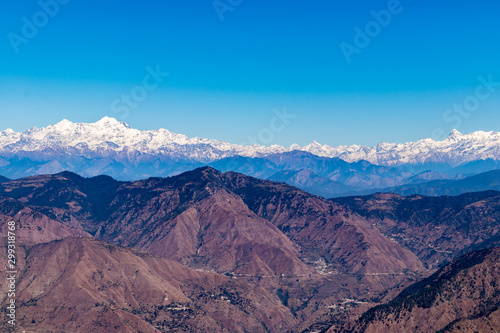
109,138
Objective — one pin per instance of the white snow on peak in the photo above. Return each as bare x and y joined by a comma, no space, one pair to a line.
64,122
455,134
108,120
111,138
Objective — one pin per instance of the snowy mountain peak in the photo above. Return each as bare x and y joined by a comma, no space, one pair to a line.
64,122
454,134
116,141
109,121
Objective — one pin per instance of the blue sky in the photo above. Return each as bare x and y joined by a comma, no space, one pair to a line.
225,77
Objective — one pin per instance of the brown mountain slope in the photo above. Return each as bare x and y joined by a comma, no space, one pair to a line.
323,229
218,232
463,296
33,227
487,323
351,259
82,285
161,215
315,256
437,229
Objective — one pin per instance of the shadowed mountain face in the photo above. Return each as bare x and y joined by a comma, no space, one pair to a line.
482,182
59,195
320,175
437,229
311,182
324,176
476,167
333,177
463,296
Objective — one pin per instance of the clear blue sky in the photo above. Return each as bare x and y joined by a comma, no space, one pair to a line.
226,76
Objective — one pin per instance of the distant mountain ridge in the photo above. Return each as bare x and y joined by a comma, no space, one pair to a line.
482,182
114,148
357,175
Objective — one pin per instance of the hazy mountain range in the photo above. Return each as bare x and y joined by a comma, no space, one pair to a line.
113,148
111,138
